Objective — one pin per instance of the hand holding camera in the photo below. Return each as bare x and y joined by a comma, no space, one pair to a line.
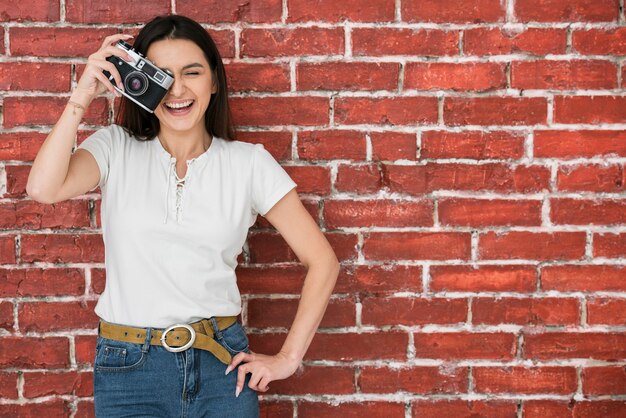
121,69
93,82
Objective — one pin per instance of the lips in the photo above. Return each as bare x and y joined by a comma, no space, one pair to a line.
181,111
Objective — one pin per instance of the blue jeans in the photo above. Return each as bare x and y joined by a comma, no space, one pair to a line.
143,380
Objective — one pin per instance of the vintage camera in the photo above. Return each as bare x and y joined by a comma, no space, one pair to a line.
144,83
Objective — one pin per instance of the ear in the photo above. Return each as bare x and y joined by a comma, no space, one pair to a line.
214,87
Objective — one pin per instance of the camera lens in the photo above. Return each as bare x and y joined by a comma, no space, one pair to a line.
136,83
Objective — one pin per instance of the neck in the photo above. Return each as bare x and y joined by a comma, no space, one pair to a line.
179,146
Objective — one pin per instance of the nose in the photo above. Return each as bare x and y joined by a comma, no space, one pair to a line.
177,88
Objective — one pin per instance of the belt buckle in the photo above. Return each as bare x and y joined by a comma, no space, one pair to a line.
181,348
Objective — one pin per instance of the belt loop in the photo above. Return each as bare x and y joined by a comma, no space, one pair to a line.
216,328
146,343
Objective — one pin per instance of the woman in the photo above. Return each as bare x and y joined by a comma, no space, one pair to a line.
178,197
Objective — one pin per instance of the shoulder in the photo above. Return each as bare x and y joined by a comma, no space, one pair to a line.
240,151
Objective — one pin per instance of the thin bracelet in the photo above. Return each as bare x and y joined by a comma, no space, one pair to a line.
75,106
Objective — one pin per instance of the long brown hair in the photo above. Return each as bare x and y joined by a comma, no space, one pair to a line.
144,125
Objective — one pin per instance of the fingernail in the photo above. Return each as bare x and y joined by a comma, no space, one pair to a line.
228,369
237,392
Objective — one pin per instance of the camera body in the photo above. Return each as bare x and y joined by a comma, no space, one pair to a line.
144,83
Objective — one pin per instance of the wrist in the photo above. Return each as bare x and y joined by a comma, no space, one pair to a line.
81,97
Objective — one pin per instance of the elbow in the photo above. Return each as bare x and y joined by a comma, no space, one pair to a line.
38,197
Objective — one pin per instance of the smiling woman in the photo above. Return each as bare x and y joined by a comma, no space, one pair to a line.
168,334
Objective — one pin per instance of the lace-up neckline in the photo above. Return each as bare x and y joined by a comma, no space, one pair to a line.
181,184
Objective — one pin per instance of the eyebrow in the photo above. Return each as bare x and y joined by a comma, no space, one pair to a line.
195,64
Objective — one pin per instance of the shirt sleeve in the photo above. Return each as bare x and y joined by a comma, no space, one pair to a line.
100,145
270,181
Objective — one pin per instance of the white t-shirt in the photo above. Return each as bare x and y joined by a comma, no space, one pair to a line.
171,251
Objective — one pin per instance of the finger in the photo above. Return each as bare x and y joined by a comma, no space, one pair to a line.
105,81
115,37
238,358
241,378
254,380
106,65
264,384
118,52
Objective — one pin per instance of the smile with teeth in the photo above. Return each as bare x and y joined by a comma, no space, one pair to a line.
178,105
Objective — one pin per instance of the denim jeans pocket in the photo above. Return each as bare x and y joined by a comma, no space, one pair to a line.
117,356
234,339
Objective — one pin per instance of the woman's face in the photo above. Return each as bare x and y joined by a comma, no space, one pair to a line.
193,81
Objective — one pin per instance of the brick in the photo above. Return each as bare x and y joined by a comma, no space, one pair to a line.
34,352
316,380
531,245
413,311
361,179
17,177
576,144
230,10
267,280
383,213
85,409
281,313
496,41
593,177
56,316
370,409
331,145
62,248
267,247
116,11
7,249
482,212
8,385
351,76
34,11
25,111
575,409
581,278
604,380
471,11
484,278
478,145
563,75
38,384
85,350
465,345
600,41
416,245
566,10
399,110
6,316
39,76
609,245
463,409
57,408
334,11
587,212
291,42
21,146
392,41
276,409
66,214
495,111
422,179
41,282
568,345
526,311
413,379
244,77
589,109
466,76
380,279
518,379
280,110
341,346
276,143
606,311
57,41
393,146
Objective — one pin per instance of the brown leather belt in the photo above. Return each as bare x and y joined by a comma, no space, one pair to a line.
177,337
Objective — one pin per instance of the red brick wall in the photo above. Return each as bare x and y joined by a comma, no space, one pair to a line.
464,158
